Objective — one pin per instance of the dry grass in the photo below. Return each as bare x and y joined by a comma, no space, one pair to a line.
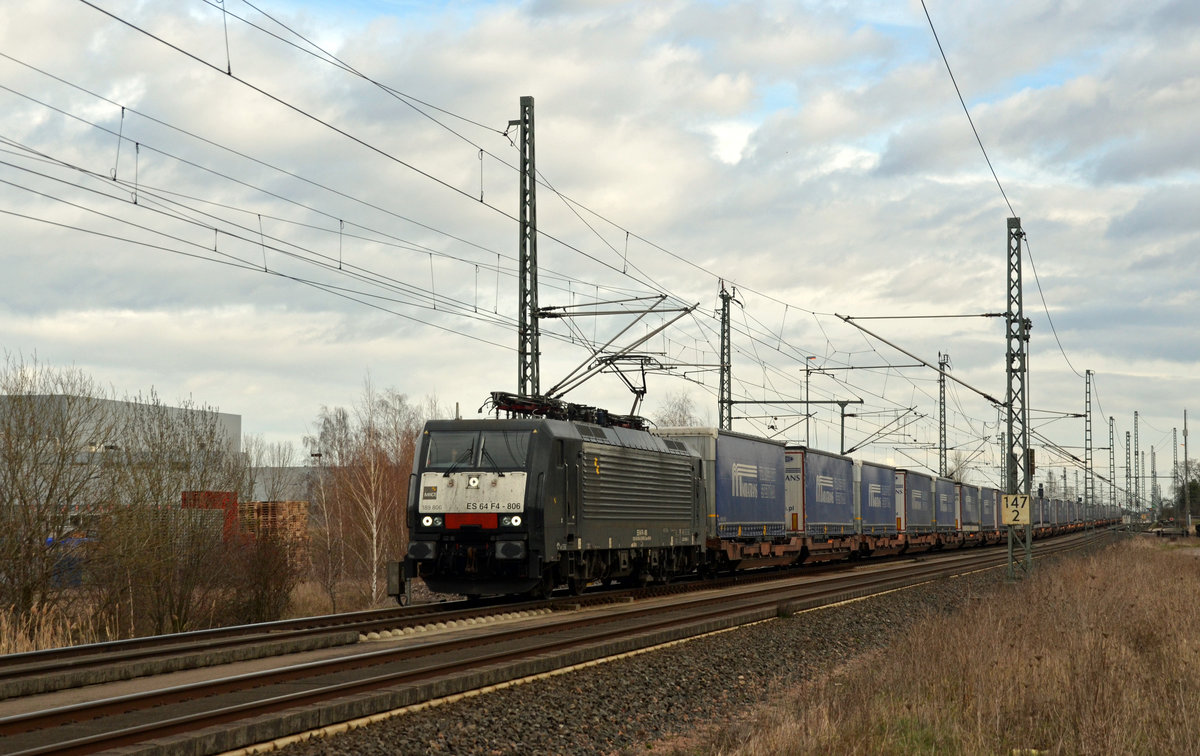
309,599
75,622
49,629
1094,655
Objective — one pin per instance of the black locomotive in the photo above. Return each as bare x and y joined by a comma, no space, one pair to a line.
509,506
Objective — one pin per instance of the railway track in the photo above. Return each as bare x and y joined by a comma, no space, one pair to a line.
228,712
74,666
57,669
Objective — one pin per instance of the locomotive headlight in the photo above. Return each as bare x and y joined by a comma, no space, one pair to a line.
516,521
427,521
437,522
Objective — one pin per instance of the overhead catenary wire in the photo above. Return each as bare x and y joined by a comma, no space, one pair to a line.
966,110
571,204
261,239
334,60
357,296
343,132
244,265
291,106
156,203
340,131
550,275
257,216
238,154
247,238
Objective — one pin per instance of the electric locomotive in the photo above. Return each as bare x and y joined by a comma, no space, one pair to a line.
564,494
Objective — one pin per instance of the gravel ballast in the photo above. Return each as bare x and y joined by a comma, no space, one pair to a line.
628,705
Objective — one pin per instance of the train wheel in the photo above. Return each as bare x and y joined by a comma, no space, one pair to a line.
577,585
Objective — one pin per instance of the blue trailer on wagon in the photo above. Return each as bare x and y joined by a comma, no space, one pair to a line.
914,502
945,515
875,497
748,525
970,515
989,506
821,499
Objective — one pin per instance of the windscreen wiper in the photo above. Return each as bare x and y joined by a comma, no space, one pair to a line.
465,456
485,453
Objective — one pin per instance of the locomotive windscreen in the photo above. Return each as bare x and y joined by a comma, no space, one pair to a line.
504,450
466,450
449,449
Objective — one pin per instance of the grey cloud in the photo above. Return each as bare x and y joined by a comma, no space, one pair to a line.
1159,213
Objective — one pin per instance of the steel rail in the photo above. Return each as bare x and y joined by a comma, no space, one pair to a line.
187,650
199,636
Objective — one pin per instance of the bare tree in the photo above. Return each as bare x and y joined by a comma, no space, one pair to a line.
270,470
957,467
677,411
378,478
1193,490
329,452
361,464
265,572
161,566
52,423
255,449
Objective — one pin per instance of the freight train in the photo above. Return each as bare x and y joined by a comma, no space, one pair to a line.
559,493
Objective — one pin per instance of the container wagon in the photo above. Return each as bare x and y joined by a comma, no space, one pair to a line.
745,502
914,507
821,498
970,515
875,497
989,507
945,514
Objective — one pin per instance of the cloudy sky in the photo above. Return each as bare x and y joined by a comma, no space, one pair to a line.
260,205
